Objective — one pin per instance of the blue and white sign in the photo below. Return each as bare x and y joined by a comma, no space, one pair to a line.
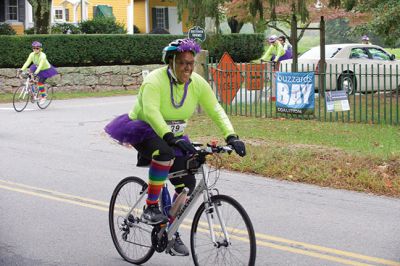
295,92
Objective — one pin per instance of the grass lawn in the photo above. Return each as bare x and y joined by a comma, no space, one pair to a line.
8,97
360,157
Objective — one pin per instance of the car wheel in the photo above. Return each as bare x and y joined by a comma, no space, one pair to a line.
348,83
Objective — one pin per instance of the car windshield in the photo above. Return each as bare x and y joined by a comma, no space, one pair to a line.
314,53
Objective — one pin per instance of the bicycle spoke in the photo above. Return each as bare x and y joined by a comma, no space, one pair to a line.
239,250
131,238
20,99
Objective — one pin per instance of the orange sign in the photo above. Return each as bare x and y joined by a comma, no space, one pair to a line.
227,78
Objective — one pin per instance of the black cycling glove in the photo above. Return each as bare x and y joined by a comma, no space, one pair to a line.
237,144
179,142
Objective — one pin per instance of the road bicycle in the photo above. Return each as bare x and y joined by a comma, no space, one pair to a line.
221,230
30,92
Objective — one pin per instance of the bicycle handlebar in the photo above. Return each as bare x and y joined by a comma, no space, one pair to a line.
24,75
199,157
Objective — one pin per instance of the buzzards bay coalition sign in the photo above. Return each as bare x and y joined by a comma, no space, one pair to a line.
197,33
295,92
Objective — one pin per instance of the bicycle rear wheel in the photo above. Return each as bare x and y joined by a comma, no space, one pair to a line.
20,99
131,237
240,249
49,98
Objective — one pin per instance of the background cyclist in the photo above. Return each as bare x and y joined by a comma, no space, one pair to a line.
275,50
155,126
287,47
40,68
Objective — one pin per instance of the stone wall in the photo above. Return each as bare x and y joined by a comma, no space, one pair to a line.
99,78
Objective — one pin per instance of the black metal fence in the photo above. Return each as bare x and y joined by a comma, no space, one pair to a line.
249,89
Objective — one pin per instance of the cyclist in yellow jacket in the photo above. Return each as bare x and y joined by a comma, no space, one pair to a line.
155,126
40,67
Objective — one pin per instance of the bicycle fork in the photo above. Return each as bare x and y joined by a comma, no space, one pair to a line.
210,210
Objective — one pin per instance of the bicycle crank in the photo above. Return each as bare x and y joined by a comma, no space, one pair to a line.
159,238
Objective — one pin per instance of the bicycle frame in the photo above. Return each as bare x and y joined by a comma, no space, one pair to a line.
200,189
27,89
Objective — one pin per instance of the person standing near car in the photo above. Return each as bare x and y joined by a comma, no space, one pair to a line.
365,40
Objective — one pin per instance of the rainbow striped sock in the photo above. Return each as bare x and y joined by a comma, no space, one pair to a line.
42,90
157,175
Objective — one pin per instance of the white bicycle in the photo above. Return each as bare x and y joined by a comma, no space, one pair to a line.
221,231
30,92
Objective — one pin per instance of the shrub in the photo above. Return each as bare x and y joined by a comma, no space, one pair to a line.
159,31
102,25
136,29
241,47
5,29
29,31
119,49
63,28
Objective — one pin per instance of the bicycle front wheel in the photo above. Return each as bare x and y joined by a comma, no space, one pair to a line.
20,99
131,237
236,247
49,98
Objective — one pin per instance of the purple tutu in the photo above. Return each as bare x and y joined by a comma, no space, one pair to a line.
44,74
288,55
128,131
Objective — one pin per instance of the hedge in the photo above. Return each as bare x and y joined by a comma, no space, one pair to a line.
115,49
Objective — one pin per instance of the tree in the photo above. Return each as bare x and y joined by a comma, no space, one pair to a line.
198,10
41,15
278,14
384,20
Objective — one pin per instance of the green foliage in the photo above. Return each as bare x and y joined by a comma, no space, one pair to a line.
88,49
119,49
62,28
29,31
242,47
198,10
385,20
41,15
5,29
102,25
339,31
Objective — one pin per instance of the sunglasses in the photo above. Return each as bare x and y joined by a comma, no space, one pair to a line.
36,48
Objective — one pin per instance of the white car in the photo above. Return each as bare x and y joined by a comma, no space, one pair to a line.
351,67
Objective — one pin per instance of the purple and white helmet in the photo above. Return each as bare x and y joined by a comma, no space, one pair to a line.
180,46
36,44
365,38
272,38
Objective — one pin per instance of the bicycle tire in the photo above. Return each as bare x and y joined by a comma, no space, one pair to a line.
240,229
136,248
20,99
49,98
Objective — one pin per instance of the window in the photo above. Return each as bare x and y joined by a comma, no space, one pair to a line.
66,14
103,11
59,14
378,54
12,10
357,53
160,18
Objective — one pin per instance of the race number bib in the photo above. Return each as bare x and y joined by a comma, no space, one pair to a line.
177,127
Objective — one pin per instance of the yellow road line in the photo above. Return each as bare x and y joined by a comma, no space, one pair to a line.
300,247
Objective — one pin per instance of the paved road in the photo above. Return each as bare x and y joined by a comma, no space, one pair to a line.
58,170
